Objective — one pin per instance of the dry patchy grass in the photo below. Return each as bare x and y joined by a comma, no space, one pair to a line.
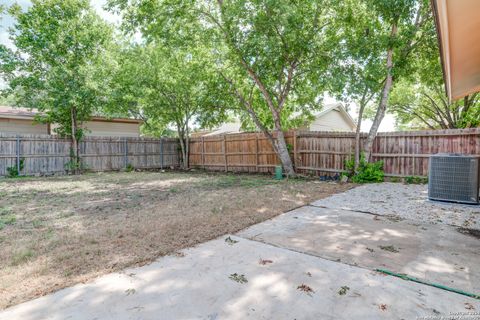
55,232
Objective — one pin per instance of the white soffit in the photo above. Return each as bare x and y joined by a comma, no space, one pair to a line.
458,27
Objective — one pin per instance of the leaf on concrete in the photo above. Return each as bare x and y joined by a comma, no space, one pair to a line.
130,291
469,306
264,262
304,288
343,290
230,241
240,278
389,248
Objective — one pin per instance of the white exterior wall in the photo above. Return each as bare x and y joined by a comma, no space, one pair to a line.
20,126
331,121
112,129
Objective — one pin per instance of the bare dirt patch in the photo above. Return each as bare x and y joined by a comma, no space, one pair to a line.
64,230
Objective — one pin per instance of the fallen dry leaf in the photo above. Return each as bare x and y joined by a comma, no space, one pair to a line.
343,290
130,291
264,262
306,289
383,307
240,278
230,241
469,306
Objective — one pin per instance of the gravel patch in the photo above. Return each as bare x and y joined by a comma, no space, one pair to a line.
405,202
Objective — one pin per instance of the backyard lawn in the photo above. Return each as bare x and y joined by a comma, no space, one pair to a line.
58,231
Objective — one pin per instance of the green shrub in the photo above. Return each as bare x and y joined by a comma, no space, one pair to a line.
416,180
13,171
290,147
129,167
367,171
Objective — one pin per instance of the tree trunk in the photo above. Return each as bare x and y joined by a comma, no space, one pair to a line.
181,138
282,152
281,148
382,107
74,157
187,150
357,137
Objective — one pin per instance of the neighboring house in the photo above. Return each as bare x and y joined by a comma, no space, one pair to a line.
226,128
334,117
21,121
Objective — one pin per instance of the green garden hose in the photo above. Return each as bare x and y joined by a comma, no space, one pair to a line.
436,285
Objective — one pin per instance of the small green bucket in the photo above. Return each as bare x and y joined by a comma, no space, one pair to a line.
278,173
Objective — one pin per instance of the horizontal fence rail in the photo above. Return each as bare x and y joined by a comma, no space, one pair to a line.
403,153
46,154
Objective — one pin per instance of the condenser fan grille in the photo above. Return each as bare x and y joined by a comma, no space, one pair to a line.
454,178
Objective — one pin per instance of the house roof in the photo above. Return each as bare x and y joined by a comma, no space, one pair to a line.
458,25
337,107
226,128
7,112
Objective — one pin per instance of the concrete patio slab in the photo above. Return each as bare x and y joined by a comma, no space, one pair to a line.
196,284
437,253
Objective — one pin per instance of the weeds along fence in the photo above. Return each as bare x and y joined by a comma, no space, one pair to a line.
403,153
46,154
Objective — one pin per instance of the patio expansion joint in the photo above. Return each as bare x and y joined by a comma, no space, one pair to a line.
306,253
351,210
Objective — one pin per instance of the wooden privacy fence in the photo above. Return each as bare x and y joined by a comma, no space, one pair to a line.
46,154
403,153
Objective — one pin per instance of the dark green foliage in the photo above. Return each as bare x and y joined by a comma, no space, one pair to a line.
75,164
367,171
290,147
13,171
129,168
416,180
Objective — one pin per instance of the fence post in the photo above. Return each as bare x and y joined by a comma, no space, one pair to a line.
125,148
203,153
18,154
295,149
145,152
256,152
161,153
225,152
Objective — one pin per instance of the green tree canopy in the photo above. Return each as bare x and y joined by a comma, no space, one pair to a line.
167,87
58,62
382,40
272,56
